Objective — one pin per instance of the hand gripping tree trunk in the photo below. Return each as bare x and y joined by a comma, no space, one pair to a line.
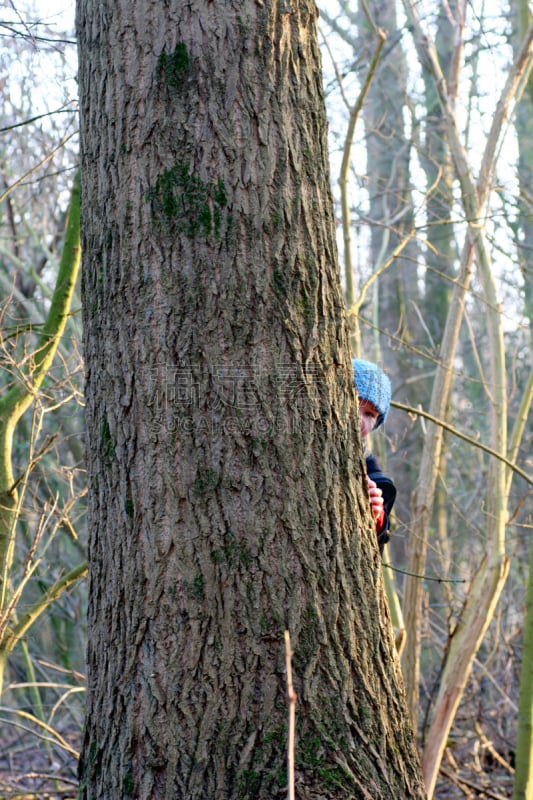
227,499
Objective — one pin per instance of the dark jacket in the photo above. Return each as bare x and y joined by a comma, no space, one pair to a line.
389,496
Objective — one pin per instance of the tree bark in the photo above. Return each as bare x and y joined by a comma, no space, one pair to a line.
227,499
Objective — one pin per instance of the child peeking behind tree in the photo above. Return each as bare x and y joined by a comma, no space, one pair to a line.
374,391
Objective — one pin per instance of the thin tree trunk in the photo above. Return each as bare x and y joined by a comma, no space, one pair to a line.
485,591
523,782
521,15
13,405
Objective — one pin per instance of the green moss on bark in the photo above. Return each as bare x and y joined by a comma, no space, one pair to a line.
193,206
175,66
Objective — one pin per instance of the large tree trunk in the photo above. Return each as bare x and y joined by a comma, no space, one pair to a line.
227,499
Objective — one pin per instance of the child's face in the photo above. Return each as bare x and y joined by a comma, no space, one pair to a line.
368,417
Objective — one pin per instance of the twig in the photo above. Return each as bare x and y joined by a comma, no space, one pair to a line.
33,461
451,429
41,163
54,737
292,697
489,746
466,785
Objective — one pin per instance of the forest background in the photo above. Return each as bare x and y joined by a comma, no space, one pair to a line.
433,184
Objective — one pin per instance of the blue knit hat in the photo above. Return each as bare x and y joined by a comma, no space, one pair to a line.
373,385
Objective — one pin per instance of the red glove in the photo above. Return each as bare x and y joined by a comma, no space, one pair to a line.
376,504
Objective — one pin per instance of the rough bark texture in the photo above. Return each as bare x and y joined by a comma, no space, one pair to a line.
227,501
